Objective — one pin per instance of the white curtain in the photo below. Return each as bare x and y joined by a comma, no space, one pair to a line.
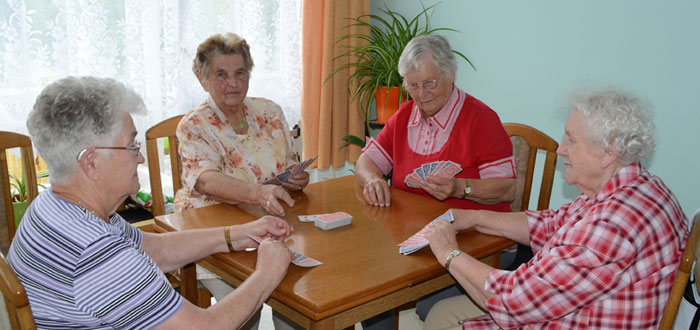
148,44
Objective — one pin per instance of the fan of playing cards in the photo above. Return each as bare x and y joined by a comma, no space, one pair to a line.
441,168
418,240
296,169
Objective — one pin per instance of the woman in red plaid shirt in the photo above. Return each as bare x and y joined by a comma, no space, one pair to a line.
605,261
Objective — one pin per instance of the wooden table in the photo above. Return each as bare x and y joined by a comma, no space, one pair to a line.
363,273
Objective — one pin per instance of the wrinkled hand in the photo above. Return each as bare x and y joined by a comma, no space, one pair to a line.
440,188
273,259
266,227
297,182
443,239
268,196
376,192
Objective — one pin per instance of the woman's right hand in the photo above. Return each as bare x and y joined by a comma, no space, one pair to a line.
273,258
268,196
377,193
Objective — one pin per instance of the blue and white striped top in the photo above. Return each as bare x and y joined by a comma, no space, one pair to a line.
82,273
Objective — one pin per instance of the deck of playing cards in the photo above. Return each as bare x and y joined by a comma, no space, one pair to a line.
441,168
418,240
291,172
328,221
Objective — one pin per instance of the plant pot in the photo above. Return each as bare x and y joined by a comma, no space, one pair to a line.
387,108
19,208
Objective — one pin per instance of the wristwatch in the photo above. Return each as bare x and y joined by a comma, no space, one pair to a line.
451,256
467,188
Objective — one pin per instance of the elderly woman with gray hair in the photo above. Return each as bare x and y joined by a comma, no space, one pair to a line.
82,265
440,123
231,144
605,261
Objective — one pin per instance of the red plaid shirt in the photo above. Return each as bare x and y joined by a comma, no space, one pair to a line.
602,263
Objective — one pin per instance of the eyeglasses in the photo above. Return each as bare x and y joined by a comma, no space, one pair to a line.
136,148
427,85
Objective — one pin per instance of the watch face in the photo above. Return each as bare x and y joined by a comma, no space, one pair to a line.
467,190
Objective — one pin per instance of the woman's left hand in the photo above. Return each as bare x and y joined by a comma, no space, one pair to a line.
440,188
297,182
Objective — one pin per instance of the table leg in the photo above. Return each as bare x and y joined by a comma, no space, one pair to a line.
188,282
325,324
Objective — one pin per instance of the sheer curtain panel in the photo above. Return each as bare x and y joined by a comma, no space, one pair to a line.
147,44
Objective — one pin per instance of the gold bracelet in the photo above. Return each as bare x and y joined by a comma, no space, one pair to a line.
227,235
451,256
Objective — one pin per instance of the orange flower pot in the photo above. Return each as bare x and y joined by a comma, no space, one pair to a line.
386,109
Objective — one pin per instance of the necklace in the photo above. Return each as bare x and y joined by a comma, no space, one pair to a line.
242,123
80,203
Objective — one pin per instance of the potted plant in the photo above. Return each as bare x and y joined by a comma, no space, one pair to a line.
375,61
19,194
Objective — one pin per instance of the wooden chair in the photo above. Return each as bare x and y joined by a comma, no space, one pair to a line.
679,283
9,140
166,128
526,143
19,313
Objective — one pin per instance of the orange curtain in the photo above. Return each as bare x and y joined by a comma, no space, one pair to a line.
327,113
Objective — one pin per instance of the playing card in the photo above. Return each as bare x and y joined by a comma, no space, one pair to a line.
419,172
273,180
284,176
308,218
301,167
304,261
426,170
412,180
450,170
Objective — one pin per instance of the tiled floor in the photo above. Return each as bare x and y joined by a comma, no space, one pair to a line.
408,320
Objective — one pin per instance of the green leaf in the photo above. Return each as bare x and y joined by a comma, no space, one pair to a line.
354,140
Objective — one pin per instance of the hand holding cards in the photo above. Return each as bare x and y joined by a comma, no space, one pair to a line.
299,259
441,168
292,172
418,240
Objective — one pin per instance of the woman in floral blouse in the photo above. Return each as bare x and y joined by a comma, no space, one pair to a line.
230,144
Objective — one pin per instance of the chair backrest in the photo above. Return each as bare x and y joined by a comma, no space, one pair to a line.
9,140
165,128
679,283
526,142
15,298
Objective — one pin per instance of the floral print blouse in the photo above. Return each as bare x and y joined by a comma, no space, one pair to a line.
209,142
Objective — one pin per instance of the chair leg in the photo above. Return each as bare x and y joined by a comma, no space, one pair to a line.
203,298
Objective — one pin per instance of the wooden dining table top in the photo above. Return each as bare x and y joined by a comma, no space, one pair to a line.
361,261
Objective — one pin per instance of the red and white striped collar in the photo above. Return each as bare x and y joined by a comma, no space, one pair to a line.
442,117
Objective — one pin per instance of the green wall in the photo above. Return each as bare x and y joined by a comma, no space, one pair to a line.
530,55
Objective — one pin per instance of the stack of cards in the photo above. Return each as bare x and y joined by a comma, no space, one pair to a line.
296,169
299,259
441,168
328,221
418,240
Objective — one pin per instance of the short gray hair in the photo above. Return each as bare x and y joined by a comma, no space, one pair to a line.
76,112
220,44
430,44
618,119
